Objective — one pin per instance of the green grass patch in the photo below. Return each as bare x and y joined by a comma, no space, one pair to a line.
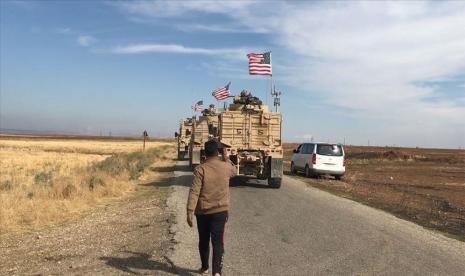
134,163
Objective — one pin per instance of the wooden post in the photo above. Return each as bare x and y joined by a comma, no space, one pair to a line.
145,137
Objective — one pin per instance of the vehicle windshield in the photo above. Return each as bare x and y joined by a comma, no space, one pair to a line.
329,150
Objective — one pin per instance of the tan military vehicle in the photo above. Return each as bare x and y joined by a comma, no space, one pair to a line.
251,134
204,129
184,137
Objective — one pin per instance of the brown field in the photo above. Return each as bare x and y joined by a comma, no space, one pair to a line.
426,186
46,181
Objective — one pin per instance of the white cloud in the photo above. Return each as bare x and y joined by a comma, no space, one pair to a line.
182,8
179,49
144,11
86,40
218,28
371,55
368,57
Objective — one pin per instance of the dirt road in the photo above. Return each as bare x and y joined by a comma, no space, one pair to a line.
300,230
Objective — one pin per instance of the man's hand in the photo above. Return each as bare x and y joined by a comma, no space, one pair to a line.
190,217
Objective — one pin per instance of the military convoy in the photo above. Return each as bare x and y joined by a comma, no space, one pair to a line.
249,133
184,137
204,129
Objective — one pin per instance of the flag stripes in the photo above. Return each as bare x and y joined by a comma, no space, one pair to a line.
260,64
221,93
198,106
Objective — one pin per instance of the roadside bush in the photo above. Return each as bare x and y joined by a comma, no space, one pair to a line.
94,182
113,165
43,178
69,190
137,162
134,163
6,185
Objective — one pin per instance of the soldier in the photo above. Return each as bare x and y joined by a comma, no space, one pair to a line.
246,97
209,201
211,110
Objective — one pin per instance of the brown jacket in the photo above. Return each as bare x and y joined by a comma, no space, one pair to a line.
209,193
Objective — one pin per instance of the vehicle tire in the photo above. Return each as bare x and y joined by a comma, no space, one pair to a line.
274,183
338,177
307,171
293,170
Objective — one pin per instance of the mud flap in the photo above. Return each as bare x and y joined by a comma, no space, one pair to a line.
181,154
276,168
195,157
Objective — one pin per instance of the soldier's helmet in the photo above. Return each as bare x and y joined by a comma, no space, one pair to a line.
245,93
212,109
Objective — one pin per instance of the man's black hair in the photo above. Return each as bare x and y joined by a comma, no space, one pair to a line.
211,148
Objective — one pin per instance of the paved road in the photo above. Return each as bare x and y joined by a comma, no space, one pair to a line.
300,230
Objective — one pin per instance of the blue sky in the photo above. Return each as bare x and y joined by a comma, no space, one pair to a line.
389,72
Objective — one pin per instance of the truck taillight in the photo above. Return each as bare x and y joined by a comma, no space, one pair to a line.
314,159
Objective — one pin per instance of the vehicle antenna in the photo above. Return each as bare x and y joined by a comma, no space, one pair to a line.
277,100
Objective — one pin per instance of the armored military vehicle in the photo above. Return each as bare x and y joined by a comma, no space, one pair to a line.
251,134
184,137
203,129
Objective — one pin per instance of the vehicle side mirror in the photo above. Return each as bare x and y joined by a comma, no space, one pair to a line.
176,135
295,151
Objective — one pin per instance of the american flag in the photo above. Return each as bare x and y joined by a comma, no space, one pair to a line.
198,106
222,92
260,64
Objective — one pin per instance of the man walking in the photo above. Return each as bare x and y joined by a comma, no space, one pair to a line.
209,200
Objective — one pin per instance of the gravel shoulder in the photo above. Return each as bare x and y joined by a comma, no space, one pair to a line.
184,255
123,237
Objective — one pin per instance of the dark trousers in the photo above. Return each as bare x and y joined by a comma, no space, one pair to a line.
212,226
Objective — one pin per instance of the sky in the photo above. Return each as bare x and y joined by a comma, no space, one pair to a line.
383,73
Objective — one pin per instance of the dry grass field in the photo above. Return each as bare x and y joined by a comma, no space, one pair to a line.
91,146
426,186
47,181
